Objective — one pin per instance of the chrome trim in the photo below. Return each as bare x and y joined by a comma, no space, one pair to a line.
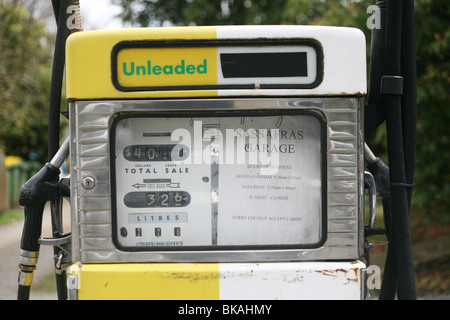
28,258
61,155
91,209
371,186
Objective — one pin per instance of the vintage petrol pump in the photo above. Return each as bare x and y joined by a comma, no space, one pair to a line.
217,163
227,162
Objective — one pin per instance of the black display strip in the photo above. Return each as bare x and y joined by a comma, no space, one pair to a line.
264,65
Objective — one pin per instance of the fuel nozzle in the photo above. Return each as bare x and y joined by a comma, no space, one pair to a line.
35,193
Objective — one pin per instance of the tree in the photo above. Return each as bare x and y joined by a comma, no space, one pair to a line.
201,12
25,73
431,197
432,192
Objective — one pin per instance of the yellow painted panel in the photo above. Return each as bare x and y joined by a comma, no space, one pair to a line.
148,67
161,281
88,63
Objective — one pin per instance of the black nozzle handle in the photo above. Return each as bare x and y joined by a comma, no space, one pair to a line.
32,227
42,187
35,193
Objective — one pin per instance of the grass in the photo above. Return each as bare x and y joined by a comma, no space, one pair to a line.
11,216
46,284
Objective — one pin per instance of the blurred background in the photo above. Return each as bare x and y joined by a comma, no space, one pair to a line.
28,30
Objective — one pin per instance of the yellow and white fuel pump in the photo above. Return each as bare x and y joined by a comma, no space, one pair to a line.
217,163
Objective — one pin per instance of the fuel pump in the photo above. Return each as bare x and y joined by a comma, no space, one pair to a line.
217,163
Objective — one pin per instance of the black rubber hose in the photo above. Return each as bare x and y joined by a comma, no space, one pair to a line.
399,264
395,148
60,9
374,109
57,80
23,293
56,6
409,99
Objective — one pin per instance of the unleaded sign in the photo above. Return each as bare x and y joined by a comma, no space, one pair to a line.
208,65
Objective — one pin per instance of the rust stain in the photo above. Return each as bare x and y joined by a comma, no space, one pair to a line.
334,273
329,273
191,276
352,280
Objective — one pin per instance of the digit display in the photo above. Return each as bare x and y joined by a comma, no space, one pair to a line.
165,152
157,199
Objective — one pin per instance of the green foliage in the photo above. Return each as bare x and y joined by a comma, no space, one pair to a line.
25,73
201,12
432,193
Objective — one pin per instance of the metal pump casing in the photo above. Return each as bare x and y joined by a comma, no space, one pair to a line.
106,91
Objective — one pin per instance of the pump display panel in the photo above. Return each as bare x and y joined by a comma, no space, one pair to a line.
218,181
